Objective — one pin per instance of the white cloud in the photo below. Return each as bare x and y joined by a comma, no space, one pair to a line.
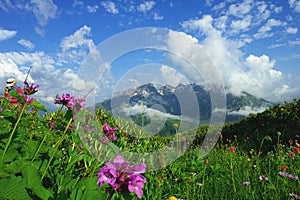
156,16
264,31
171,76
291,30
6,34
295,4
241,9
241,25
44,10
146,6
255,74
92,9
26,43
110,7
76,46
39,31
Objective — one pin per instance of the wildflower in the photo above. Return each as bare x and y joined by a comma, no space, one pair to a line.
206,161
28,99
110,132
122,177
29,90
284,167
1,109
284,174
232,149
249,160
65,100
296,149
263,178
294,196
172,198
78,103
246,183
292,154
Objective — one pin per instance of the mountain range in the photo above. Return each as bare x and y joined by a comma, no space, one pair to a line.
169,100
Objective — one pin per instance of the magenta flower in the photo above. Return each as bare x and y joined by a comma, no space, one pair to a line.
109,132
1,109
28,99
122,177
246,183
78,104
29,90
65,100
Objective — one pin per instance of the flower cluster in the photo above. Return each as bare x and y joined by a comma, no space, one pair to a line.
30,89
263,178
109,133
122,177
65,100
288,175
78,104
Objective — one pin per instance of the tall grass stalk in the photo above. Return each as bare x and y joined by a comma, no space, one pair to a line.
13,131
56,147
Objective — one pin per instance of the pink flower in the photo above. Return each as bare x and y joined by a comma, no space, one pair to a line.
246,183
122,177
296,149
65,100
292,154
109,132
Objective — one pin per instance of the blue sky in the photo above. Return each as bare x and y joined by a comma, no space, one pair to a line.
254,45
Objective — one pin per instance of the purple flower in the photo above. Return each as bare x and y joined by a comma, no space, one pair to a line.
263,178
28,99
294,196
246,183
1,109
78,104
29,90
122,177
109,132
65,100
285,174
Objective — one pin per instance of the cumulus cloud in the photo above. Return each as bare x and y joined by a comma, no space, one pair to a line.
172,77
76,46
26,43
6,34
255,74
110,7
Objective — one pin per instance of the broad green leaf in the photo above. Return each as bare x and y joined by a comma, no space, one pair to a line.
38,105
13,188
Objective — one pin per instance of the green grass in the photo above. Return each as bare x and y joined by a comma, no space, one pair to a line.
59,161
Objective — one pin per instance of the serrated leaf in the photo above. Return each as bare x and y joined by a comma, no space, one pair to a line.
13,188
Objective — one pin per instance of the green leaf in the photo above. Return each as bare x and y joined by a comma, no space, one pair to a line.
13,188
38,105
33,181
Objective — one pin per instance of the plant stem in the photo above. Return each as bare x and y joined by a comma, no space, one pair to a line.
13,131
232,174
56,147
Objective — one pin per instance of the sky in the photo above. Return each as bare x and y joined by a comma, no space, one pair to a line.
74,46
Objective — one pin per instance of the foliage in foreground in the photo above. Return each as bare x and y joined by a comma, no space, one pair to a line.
43,157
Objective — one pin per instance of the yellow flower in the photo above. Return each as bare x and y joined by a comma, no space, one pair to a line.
248,159
172,198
